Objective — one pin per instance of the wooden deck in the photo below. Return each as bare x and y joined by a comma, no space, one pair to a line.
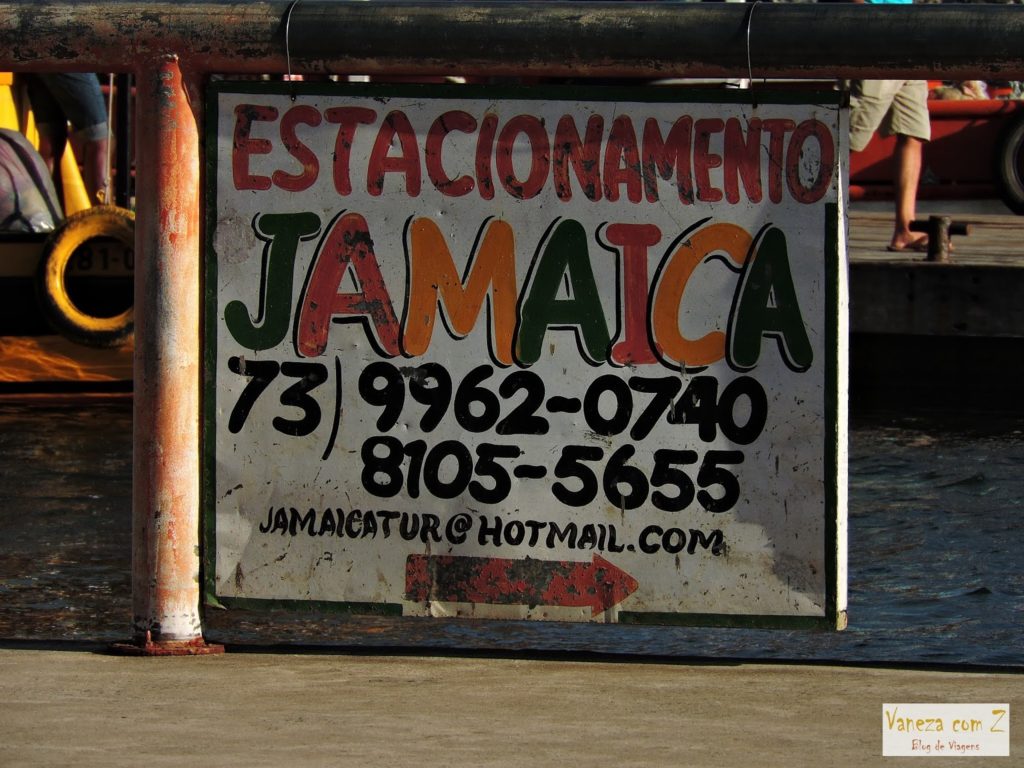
976,294
994,240
937,335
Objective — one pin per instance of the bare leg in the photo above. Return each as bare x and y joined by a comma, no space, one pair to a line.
94,166
51,147
908,174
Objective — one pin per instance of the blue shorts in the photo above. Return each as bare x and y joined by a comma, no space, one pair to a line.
74,97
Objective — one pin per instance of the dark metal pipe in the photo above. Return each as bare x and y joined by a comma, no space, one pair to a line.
561,39
668,40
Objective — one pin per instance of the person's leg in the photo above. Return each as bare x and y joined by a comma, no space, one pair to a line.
870,102
51,124
81,101
94,169
911,124
51,145
908,173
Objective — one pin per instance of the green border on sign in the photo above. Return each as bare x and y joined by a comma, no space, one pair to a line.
833,618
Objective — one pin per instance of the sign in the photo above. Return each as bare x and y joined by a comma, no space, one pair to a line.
558,354
925,729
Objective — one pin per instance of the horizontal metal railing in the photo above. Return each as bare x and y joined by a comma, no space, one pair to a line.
625,39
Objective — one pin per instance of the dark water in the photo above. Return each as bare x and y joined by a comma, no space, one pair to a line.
936,552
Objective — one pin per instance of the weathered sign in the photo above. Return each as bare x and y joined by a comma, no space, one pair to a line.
551,355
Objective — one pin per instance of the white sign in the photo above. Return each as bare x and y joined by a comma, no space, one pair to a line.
553,355
945,730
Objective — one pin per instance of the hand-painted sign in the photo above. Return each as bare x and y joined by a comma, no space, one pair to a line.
557,355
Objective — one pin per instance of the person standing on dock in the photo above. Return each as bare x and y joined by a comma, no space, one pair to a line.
76,98
900,108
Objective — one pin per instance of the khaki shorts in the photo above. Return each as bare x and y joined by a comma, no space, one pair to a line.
889,107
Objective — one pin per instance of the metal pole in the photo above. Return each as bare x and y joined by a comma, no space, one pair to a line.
661,40
165,509
488,38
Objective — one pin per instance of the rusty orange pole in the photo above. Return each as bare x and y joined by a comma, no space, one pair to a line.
165,495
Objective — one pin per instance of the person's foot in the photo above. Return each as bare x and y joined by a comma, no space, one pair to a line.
908,242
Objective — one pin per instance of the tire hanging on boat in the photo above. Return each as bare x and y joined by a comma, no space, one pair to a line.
103,221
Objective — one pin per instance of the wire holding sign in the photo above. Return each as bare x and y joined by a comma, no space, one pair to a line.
516,352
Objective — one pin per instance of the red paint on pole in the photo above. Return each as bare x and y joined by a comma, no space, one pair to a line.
165,494
598,584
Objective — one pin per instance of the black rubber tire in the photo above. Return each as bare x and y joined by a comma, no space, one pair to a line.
55,302
1010,166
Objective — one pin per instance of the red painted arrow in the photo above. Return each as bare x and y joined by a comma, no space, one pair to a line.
498,581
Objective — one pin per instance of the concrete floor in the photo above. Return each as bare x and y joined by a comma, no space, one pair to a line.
71,707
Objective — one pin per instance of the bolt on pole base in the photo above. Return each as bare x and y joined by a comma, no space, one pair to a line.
149,647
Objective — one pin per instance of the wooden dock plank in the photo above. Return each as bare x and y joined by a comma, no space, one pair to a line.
976,294
994,239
